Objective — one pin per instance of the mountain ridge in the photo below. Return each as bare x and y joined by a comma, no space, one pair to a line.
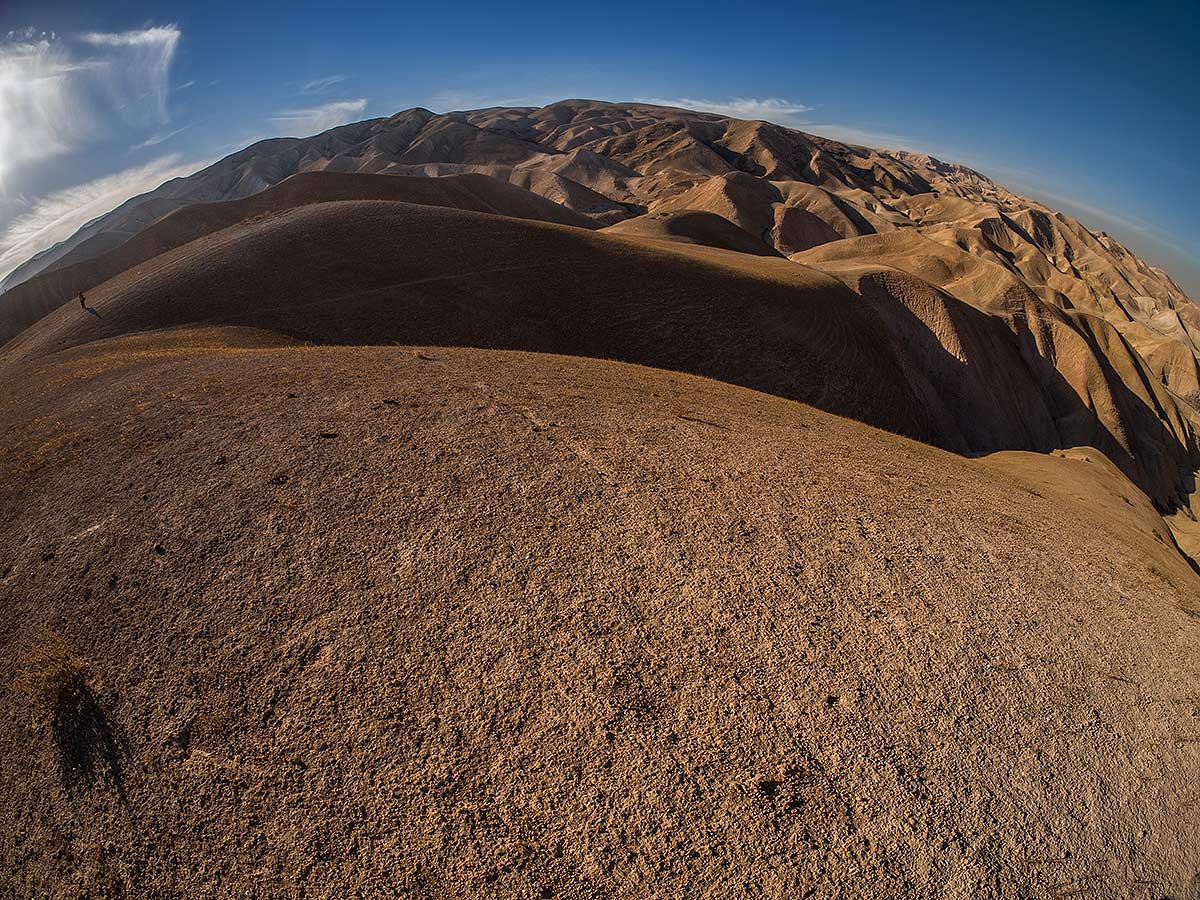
820,202
517,526
526,137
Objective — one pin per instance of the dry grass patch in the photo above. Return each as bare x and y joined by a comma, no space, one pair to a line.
55,679
51,675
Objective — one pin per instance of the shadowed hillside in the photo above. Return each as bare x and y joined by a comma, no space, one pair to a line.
693,227
28,302
384,273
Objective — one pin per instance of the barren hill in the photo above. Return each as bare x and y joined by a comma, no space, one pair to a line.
29,301
492,623
599,500
794,191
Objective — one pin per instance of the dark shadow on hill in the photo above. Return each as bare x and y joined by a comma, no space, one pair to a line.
27,302
395,273
1006,381
89,749
54,677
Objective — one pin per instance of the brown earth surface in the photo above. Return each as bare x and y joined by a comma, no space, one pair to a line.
451,622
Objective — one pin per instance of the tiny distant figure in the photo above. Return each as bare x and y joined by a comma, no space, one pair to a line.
82,301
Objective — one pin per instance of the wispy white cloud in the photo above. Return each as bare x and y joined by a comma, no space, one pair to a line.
186,85
156,37
57,216
28,34
155,139
139,65
770,109
41,110
319,84
303,122
57,95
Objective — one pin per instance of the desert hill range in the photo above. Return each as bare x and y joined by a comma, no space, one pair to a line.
597,500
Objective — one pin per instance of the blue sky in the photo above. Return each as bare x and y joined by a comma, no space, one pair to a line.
1093,108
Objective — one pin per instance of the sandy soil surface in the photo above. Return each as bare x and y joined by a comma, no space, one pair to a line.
443,622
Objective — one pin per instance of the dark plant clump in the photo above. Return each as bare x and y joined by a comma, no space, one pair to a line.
52,675
56,681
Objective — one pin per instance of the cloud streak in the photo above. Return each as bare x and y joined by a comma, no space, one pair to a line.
319,84
139,64
155,139
41,113
315,119
58,215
